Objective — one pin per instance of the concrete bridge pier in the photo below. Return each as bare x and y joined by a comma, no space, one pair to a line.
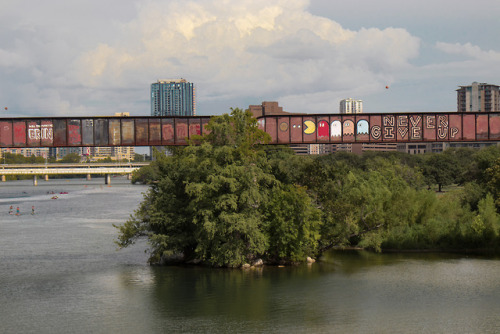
46,177
35,180
4,178
107,179
89,177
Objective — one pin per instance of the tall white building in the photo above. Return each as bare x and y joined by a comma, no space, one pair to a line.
351,106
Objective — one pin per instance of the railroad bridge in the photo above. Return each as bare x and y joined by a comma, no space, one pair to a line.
283,129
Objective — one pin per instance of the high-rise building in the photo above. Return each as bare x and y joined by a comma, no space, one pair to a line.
351,106
175,97
478,97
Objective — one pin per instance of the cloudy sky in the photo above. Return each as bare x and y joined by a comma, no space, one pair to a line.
90,57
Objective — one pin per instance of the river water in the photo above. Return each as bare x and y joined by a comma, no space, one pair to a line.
60,272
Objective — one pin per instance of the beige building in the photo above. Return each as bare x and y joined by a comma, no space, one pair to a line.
478,97
27,152
351,106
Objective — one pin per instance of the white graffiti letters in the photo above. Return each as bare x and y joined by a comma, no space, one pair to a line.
45,132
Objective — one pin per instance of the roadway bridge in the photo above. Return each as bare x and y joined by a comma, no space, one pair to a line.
88,169
283,129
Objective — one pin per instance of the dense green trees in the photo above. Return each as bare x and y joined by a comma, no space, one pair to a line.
11,158
229,201
219,203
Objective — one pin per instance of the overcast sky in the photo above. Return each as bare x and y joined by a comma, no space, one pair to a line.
89,57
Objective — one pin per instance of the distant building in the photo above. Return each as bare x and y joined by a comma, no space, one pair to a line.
173,97
351,106
438,147
267,108
116,153
478,97
27,152
61,152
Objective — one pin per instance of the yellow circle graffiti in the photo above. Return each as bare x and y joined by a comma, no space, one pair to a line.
310,127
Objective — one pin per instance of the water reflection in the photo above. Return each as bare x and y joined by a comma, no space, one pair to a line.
60,273
256,297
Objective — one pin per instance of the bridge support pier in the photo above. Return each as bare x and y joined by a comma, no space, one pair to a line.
89,177
46,177
107,179
129,176
4,178
35,180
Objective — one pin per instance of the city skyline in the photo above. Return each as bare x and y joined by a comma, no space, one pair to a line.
62,59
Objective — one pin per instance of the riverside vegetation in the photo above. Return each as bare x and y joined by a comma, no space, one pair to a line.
226,200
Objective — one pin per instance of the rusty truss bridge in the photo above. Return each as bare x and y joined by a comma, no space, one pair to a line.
283,129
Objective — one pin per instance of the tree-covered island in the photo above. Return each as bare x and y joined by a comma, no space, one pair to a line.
227,200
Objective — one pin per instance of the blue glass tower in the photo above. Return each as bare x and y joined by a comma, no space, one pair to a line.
172,98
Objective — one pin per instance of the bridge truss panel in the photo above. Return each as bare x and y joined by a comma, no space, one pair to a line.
283,129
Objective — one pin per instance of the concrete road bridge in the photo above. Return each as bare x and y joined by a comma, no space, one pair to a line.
88,169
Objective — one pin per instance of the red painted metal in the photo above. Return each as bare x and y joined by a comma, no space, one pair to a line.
494,127
19,133
6,134
283,129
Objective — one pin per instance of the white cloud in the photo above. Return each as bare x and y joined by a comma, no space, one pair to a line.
78,58
266,49
469,50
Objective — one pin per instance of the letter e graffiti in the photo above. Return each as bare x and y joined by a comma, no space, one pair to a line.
416,133
430,122
402,121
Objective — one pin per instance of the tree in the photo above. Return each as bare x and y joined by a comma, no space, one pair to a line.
219,203
139,157
493,184
440,169
71,158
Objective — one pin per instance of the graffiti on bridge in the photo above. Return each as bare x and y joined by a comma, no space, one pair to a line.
366,128
283,129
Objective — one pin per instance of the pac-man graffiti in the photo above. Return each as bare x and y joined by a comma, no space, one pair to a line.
309,127
393,127
283,129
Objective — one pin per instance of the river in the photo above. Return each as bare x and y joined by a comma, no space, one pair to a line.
60,272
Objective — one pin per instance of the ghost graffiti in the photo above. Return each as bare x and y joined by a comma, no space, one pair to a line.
336,129
362,127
